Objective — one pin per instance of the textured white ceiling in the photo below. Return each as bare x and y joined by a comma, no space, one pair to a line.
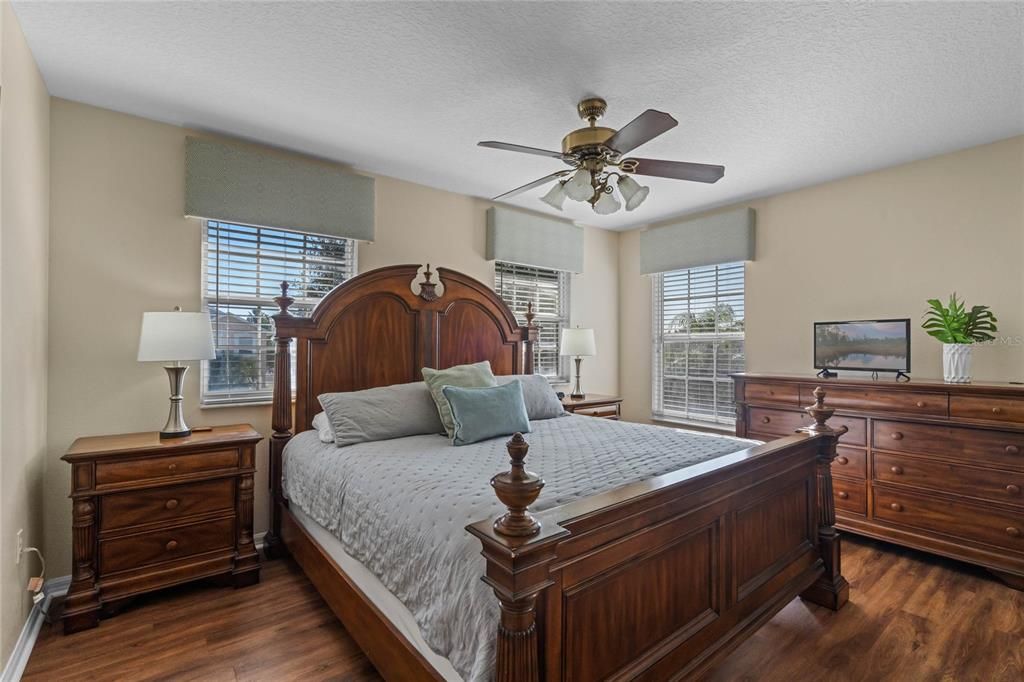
783,94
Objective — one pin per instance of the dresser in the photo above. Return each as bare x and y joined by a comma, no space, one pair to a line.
934,466
149,513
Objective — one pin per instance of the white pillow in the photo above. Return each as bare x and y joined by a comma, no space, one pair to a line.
323,427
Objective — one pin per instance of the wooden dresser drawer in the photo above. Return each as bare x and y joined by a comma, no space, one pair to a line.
986,484
786,422
850,462
974,446
166,544
132,470
754,391
122,510
872,400
992,409
850,496
971,522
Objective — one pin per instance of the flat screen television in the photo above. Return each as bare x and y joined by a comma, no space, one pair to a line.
866,345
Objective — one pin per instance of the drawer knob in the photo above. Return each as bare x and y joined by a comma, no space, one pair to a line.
896,435
997,410
171,504
172,467
765,420
896,506
921,403
843,495
842,460
1012,450
1013,489
1013,532
172,545
896,469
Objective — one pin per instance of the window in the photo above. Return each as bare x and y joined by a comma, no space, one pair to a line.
548,290
698,342
243,267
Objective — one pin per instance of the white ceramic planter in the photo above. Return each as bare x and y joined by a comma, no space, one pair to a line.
956,363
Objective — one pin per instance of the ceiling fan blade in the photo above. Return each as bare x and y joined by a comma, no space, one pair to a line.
641,130
679,170
520,148
536,183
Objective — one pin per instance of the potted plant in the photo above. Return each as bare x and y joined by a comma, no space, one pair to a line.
957,328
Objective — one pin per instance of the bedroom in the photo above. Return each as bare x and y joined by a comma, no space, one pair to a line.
873,159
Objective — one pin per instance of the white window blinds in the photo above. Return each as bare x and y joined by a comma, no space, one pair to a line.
243,267
548,290
698,341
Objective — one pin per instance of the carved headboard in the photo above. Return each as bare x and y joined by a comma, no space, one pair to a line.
374,330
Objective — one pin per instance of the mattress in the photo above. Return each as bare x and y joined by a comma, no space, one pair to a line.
399,508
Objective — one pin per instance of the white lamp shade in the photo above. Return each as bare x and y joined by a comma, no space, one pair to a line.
633,192
578,342
607,204
175,336
579,188
555,196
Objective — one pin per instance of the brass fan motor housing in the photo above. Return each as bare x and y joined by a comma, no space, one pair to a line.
584,139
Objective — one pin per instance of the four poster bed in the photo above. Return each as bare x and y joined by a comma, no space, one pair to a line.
655,579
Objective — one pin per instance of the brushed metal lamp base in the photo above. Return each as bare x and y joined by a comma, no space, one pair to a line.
577,390
176,426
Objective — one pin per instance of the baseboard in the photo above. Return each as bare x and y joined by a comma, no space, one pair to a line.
55,587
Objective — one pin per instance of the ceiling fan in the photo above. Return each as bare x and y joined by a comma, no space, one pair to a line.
592,150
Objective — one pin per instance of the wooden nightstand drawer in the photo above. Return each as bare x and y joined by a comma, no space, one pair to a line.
603,406
122,510
132,470
166,544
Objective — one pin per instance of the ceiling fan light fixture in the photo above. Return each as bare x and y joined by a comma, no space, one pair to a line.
607,204
579,188
556,196
632,192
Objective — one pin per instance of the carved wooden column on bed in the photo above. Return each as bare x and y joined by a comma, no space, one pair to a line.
281,421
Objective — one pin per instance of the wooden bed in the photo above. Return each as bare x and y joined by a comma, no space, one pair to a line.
653,580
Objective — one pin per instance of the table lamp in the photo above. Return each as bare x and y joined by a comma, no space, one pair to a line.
580,343
175,337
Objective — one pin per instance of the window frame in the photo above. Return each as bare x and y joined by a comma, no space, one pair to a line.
562,320
235,398
721,418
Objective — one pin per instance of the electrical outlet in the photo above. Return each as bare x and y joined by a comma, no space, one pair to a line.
21,545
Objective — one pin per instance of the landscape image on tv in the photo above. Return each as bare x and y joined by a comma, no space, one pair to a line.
871,345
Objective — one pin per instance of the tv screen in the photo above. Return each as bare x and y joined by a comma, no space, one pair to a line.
870,345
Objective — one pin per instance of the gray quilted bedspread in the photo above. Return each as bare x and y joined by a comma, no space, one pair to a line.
400,507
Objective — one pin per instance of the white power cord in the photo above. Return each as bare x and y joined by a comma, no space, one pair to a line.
35,585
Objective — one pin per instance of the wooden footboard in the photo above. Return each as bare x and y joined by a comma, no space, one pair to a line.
659,579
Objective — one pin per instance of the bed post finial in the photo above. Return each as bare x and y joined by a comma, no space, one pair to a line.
284,301
831,589
530,335
517,489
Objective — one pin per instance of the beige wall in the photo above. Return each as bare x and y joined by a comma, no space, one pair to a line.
872,246
120,247
24,218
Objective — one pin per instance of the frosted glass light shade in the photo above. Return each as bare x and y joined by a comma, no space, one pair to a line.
579,188
175,336
555,196
578,341
607,204
632,191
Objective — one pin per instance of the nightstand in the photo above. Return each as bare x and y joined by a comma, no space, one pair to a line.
150,513
595,405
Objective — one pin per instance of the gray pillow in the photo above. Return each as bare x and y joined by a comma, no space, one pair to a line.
478,375
381,413
541,400
482,413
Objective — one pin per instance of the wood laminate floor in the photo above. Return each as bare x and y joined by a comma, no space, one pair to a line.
911,617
